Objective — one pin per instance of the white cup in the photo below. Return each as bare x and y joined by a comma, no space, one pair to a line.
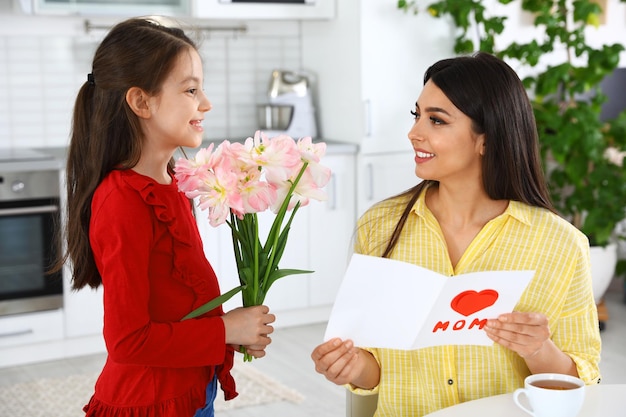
551,395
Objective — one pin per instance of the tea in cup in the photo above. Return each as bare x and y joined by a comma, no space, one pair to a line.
551,395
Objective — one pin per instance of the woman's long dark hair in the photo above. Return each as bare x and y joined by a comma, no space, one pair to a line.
106,134
490,93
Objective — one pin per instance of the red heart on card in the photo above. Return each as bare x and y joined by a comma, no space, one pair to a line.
469,302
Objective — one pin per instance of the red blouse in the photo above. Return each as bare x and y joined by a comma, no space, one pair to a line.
149,253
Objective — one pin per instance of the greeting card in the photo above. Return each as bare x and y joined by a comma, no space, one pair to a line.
393,304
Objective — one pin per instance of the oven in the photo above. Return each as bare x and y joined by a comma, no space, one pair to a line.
29,240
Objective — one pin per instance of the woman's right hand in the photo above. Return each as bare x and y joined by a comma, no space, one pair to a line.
343,363
249,326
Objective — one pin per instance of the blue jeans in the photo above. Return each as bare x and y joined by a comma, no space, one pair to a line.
211,393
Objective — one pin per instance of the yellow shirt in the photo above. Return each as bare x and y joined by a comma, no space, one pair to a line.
418,382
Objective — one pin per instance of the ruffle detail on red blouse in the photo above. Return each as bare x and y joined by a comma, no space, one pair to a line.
176,407
182,232
226,380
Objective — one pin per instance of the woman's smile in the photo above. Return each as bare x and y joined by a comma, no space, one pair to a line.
423,156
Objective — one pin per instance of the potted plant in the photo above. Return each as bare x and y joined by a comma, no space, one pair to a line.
582,154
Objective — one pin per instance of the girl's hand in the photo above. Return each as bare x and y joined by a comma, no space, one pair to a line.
250,327
258,351
343,363
524,333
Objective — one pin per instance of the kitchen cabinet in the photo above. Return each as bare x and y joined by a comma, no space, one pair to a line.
383,175
107,7
21,329
331,228
370,62
41,336
34,337
84,311
261,9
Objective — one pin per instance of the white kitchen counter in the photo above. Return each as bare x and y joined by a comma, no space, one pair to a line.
332,147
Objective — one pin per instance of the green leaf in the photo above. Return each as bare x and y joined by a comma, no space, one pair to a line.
280,273
218,301
495,25
408,6
246,275
275,231
463,45
279,246
620,269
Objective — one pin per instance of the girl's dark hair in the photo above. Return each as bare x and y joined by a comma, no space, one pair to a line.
106,134
491,94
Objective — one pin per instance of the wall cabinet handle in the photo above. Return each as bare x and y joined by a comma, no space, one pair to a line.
17,333
332,200
370,181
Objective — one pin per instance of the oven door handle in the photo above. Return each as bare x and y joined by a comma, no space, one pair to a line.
28,210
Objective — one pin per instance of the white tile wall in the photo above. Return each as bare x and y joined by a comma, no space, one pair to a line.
40,76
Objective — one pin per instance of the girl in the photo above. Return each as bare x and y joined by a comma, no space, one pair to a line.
130,230
483,205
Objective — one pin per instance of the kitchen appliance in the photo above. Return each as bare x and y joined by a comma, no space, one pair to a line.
264,9
289,109
29,218
129,8
274,117
271,1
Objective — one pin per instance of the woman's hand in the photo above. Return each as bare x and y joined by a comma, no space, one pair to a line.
528,334
523,333
249,327
343,363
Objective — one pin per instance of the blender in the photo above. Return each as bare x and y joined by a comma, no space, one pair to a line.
289,109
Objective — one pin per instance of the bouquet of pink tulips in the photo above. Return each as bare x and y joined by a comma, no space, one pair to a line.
236,181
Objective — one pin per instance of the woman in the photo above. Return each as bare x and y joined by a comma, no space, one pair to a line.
483,205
